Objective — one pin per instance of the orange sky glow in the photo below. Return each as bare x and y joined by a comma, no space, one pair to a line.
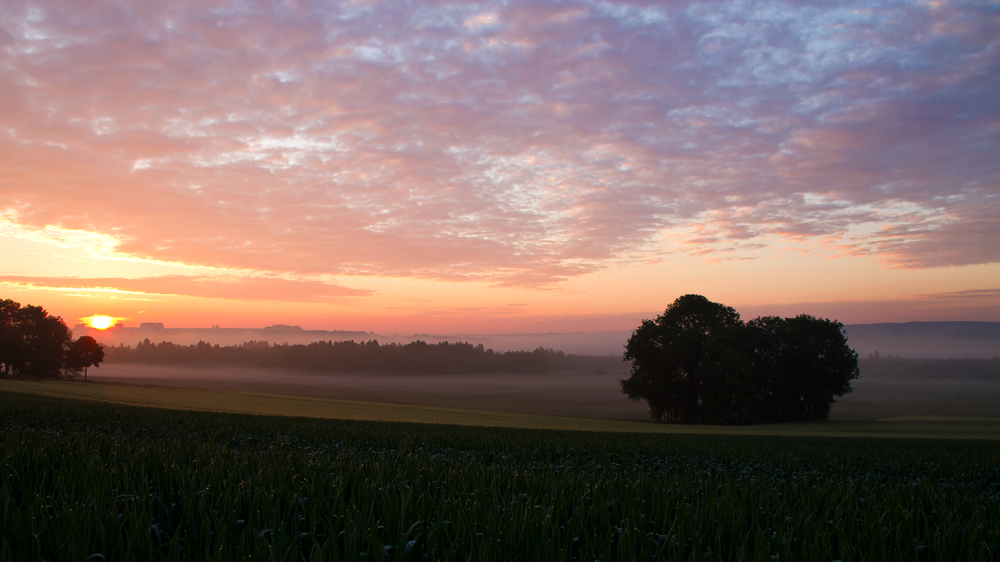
480,168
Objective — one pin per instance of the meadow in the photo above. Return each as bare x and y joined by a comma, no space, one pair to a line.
127,483
888,388
245,402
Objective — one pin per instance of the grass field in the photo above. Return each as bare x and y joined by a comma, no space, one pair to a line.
113,482
282,405
886,389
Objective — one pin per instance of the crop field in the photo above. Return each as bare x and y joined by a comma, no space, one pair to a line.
127,483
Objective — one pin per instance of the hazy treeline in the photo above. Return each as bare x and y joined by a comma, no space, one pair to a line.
351,356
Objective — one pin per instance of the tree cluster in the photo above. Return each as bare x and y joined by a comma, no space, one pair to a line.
699,363
351,356
36,345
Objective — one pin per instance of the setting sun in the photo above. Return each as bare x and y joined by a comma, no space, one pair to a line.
100,322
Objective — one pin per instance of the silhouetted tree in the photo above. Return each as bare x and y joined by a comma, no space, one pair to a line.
10,349
698,363
32,342
670,357
82,354
811,364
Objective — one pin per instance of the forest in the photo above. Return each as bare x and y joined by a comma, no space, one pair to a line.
351,356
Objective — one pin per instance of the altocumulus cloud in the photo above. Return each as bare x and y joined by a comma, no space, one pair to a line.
231,287
518,144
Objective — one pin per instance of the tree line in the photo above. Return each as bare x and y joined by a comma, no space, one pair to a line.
35,345
699,363
351,356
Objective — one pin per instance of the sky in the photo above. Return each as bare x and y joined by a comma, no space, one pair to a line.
498,167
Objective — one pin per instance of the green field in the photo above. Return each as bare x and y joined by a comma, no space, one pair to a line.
282,405
128,483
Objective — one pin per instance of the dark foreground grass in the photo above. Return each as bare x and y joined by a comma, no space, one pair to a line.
125,483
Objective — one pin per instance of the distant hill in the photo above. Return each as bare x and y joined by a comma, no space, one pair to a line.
927,340
156,332
918,340
578,343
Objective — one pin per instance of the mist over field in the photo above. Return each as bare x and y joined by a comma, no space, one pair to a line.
927,340
946,370
887,388
577,343
918,340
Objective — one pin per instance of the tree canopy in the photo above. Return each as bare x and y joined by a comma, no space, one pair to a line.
36,345
699,363
82,354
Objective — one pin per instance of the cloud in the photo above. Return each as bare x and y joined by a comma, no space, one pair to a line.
975,305
233,288
978,294
513,144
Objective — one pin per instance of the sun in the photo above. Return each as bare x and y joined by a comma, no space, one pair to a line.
100,322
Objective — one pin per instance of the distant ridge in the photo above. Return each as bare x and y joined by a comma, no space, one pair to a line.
919,340
278,333
927,340
958,329
579,343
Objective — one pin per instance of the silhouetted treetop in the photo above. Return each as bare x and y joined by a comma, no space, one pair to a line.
82,354
32,343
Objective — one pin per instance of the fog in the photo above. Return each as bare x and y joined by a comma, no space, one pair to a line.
886,389
922,340
572,393
578,343
927,340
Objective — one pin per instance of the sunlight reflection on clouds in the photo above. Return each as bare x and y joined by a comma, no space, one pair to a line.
519,144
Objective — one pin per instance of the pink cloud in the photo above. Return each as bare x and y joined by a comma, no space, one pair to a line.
978,294
982,307
518,145
252,288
